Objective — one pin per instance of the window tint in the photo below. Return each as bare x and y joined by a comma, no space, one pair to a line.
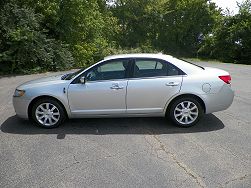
108,71
172,70
149,64
152,68
112,66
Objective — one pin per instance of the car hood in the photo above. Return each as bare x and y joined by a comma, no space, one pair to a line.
43,81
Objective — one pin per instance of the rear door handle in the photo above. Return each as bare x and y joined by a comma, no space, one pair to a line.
115,87
172,84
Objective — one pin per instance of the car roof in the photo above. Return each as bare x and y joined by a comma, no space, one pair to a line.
138,55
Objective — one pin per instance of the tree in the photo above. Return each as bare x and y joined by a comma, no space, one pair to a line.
185,24
24,45
40,35
85,28
230,40
174,26
54,34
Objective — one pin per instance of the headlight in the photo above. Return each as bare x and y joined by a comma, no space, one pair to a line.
19,93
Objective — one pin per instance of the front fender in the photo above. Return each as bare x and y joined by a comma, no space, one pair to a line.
57,91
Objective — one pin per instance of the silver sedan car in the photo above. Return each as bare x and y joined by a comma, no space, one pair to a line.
131,85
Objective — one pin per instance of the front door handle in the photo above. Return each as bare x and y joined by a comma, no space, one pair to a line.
116,86
172,84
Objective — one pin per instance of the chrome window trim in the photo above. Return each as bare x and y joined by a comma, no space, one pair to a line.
155,77
112,80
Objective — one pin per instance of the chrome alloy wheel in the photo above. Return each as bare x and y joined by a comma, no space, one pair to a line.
186,112
47,114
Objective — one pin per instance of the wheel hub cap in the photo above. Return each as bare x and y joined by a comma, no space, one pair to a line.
47,114
186,112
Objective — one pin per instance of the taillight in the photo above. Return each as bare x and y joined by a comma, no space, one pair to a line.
226,79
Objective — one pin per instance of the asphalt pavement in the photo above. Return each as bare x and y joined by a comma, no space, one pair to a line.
129,152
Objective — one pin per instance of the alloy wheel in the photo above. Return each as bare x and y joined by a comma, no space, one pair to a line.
186,112
47,114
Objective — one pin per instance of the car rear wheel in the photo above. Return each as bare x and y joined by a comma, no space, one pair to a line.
48,113
186,112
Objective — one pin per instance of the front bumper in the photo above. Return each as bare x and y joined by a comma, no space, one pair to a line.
21,105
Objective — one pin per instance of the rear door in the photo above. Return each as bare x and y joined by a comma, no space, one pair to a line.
153,83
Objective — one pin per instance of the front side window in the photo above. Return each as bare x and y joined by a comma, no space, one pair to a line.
154,68
111,70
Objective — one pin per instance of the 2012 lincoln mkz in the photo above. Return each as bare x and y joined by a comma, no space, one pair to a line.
130,85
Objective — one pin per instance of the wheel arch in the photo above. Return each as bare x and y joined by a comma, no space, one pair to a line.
44,97
199,99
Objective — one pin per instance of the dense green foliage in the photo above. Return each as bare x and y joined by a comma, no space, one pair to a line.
172,26
230,38
25,45
41,35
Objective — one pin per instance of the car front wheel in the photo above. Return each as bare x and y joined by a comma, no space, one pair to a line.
48,113
186,112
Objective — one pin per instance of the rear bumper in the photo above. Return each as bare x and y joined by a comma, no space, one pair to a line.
21,106
219,101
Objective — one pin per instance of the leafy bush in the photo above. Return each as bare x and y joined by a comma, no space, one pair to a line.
230,40
25,46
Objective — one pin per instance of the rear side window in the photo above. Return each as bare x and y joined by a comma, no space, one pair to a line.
154,68
149,65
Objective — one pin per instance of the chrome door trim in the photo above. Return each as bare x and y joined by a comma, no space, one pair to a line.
155,77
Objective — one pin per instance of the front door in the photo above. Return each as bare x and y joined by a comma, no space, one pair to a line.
104,92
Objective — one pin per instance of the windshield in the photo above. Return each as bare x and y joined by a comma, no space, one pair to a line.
69,76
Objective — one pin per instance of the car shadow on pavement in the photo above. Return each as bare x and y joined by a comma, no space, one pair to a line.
155,126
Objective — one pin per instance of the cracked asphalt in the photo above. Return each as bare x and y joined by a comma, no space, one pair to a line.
129,152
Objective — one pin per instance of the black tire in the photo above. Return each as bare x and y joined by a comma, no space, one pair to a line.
58,110
196,113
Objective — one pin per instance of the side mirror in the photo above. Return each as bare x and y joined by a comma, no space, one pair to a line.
82,80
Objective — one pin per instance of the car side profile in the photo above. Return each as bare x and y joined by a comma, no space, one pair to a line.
129,85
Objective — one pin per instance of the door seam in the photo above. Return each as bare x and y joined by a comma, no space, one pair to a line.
126,96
